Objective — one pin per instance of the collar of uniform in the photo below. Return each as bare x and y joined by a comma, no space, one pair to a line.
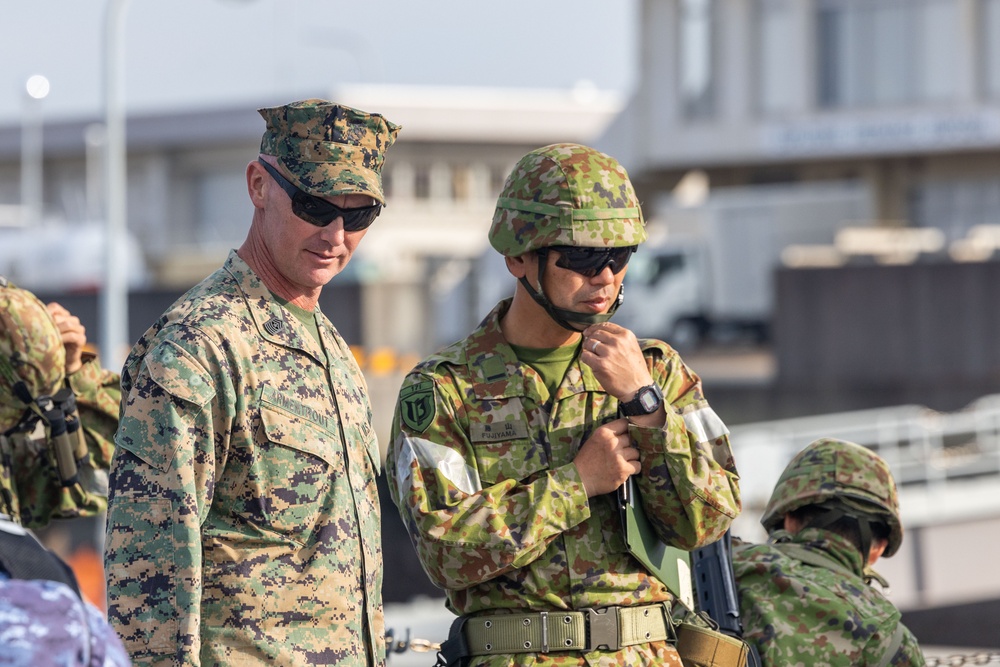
491,358
493,366
832,545
274,322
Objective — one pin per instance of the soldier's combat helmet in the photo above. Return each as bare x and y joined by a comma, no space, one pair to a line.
32,356
844,479
566,195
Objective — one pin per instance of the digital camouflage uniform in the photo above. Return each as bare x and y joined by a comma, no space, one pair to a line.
805,598
481,468
244,521
29,482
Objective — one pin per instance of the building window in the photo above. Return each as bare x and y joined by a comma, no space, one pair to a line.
461,185
697,59
884,53
498,177
990,39
422,182
774,31
221,209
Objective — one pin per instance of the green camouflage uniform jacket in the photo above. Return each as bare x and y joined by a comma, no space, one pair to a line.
29,481
800,614
481,468
244,526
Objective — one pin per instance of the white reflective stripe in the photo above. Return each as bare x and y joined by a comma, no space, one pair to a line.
705,425
404,458
443,459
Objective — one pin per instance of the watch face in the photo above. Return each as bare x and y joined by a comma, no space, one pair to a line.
649,401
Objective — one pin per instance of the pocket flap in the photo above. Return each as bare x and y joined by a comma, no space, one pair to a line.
297,433
180,374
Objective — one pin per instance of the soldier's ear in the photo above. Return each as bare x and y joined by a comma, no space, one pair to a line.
518,266
256,183
878,547
792,524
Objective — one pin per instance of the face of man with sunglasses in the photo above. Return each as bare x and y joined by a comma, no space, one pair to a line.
581,280
298,243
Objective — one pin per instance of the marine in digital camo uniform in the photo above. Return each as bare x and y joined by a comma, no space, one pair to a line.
805,597
493,436
43,618
244,524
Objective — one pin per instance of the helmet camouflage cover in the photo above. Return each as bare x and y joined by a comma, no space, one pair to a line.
852,476
30,347
566,194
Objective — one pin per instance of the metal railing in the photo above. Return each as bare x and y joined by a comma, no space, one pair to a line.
925,449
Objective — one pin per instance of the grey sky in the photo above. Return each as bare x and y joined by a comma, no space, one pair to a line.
205,53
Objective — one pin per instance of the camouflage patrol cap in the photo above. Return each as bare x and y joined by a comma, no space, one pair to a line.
30,347
566,194
329,149
849,475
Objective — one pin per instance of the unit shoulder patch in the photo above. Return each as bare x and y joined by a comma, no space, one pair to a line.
416,405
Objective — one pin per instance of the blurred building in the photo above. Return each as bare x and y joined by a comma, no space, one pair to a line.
902,95
902,99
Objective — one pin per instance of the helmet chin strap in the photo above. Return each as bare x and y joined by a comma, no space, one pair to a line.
568,319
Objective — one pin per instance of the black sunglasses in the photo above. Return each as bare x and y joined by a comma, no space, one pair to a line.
589,262
320,212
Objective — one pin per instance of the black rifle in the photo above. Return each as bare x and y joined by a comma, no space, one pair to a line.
715,589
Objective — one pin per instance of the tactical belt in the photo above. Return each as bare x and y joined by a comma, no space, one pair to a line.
609,629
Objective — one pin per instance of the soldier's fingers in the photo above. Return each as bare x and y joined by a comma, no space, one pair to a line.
630,454
55,308
615,428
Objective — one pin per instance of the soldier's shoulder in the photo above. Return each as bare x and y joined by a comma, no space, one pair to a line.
444,360
216,304
656,347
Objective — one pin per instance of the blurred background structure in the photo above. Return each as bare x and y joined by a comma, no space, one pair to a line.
821,180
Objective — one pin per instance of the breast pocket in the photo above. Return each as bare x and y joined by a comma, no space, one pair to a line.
292,476
512,459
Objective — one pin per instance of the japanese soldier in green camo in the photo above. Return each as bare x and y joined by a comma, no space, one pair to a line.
508,446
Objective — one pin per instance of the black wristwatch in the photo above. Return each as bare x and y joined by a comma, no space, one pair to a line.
645,402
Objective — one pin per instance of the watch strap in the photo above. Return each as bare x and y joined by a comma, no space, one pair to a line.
637,406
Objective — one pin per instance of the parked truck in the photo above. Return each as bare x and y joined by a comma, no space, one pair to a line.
707,271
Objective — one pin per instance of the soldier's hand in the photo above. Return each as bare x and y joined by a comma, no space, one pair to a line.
607,458
73,333
613,352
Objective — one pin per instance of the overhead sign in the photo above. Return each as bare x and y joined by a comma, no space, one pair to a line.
883,133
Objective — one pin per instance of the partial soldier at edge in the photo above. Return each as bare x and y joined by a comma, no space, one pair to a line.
805,596
58,411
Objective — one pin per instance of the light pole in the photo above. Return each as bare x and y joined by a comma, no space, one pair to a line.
114,297
36,89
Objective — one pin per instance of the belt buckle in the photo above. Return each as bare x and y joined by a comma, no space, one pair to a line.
602,629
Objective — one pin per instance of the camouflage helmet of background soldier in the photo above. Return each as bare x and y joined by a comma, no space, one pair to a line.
31,352
844,478
566,195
